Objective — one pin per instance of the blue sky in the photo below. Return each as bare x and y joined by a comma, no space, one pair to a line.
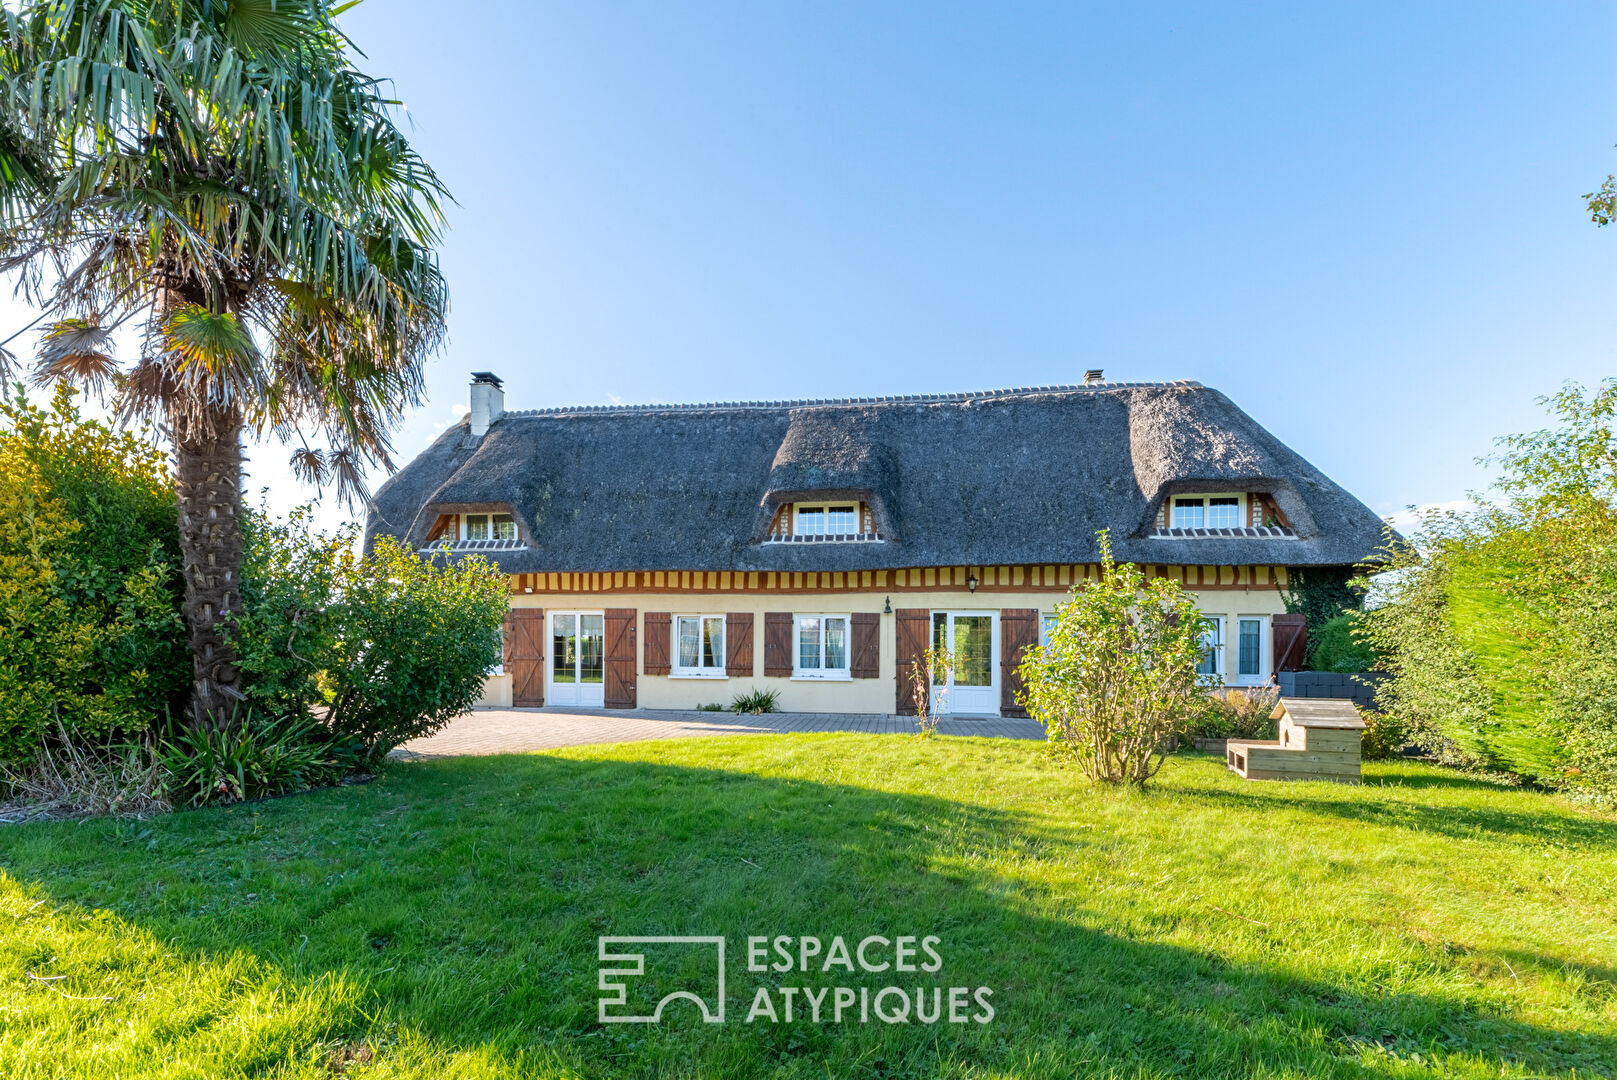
1362,223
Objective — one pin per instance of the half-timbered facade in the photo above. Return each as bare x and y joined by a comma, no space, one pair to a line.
674,556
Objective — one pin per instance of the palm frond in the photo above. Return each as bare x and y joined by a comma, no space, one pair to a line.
77,351
309,466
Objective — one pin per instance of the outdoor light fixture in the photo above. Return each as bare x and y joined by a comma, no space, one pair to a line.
971,583
887,605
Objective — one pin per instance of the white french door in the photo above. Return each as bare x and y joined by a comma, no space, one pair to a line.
577,672
973,638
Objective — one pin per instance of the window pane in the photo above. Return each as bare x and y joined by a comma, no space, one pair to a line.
591,646
1047,624
973,650
1188,514
1209,661
811,522
1224,513
713,643
690,641
940,642
808,644
841,520
564,648
477,526
836,644
504,527
1251,646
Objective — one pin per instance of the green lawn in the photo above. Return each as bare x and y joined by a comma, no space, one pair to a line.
443,920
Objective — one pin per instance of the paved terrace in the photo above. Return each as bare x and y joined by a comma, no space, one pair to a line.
515,731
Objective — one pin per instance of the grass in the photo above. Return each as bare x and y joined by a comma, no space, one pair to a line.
442,921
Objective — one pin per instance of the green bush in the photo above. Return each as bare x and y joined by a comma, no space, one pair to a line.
258,757
1232,713
1337,647
382,648
1383,736
91,636
414,641
756,703
1116,684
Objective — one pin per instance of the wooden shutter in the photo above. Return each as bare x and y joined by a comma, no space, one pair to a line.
1291,642
659,633
914,631
865,632
525,656
621,684
738,644
1018,632
778,644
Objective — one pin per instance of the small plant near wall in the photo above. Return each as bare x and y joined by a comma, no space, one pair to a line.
931,670
756,703
1116,684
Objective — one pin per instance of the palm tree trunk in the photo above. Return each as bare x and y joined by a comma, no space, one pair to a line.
207,478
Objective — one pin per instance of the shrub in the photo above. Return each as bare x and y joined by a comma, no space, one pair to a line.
414,640
1117,684
91,638
258,756
1233,713
1383,736
1338,646
756,703
712,706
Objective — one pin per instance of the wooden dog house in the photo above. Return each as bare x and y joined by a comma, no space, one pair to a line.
1319,740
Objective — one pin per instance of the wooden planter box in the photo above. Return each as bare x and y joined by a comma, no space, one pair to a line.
1319,740
1215,746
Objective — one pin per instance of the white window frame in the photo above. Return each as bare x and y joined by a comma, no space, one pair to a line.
488,518
1265,647
825,508
823,674
701,671
1219,649
1203,497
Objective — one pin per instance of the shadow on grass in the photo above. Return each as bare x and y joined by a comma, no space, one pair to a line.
466,898
1445,818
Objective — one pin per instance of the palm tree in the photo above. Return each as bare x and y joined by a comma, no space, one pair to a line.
220,175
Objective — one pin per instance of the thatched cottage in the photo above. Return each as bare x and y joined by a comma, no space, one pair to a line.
667,556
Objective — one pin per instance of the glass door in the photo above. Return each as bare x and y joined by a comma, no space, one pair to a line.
973,685
577,654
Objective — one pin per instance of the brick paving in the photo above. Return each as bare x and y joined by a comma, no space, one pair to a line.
515,731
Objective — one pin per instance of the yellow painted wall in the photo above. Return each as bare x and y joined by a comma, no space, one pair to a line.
813,695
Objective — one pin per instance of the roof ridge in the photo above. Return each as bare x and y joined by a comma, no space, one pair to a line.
890,399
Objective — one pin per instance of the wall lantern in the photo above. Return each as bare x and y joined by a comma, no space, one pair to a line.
887,605
971,582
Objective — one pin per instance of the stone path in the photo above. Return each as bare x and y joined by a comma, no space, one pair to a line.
515,731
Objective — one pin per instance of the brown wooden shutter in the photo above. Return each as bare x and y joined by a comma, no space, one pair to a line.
865,632
1291,642
1018,632
738,644
621,684
659,634
778,644
913,628
525,656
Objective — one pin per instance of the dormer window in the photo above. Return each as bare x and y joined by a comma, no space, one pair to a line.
1208,512
832,519
487,527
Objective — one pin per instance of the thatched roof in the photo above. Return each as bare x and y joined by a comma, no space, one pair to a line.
1004,477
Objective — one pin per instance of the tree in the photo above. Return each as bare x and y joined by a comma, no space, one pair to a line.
1116,683
220,173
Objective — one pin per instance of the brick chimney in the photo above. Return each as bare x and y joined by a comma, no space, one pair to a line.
488,401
